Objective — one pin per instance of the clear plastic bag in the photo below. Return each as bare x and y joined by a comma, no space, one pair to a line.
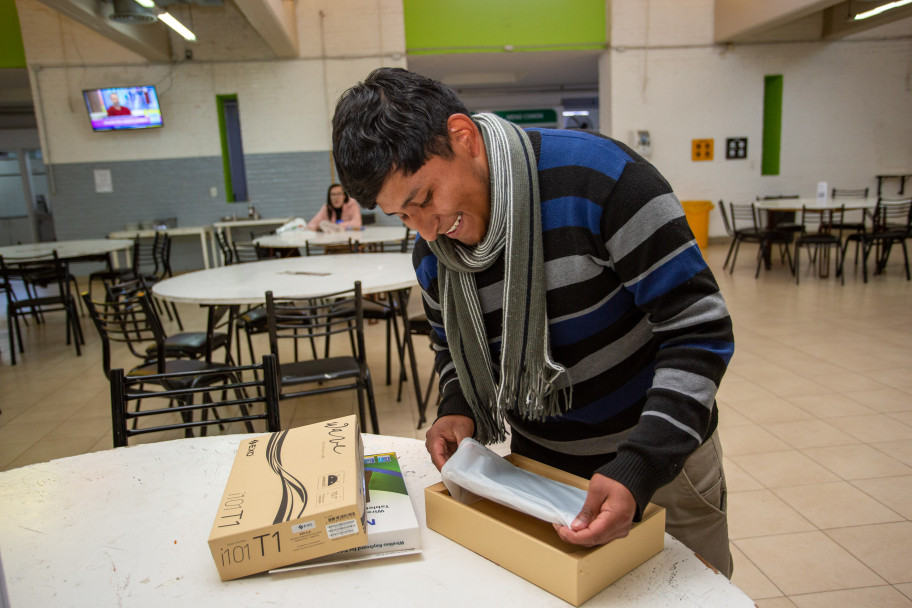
475,471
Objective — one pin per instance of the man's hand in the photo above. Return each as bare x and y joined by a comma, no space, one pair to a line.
444,436
606,515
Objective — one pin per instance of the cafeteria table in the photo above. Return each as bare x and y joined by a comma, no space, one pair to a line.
71,250
203,232
129,527
366,236
301,277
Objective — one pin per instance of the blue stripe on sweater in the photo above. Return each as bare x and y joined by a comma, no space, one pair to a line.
427,271
577,149
615,403
573,330
570,211
668,276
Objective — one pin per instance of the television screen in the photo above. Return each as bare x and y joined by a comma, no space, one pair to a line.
118,108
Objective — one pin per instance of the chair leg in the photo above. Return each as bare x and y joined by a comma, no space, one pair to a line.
735,257
797,264
371,402
729,255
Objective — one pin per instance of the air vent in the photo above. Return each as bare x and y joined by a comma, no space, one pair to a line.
130,13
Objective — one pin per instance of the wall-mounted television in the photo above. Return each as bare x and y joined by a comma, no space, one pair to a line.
123,108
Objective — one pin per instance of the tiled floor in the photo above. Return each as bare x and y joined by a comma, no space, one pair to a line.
816,423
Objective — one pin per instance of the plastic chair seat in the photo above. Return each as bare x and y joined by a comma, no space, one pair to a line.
331,368
189,344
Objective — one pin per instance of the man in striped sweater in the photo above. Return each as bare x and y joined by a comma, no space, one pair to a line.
568,297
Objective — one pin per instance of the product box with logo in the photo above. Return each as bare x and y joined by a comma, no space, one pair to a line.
531,548
291,496
392,527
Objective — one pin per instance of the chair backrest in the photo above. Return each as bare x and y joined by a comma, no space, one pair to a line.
144,257
850,192
247,252
728,227
162,252
317,319
224,247
775,197
39,271
743,216
130,318
182,387
893,215
823,221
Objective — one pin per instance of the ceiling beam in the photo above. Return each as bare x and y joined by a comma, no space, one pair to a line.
275,22
738,20
150,41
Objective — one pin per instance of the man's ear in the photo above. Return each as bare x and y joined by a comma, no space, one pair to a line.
463,131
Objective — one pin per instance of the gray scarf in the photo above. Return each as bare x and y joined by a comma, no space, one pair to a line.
527,373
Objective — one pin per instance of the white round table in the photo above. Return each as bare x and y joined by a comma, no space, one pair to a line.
302,277
66,250
128,527
301,238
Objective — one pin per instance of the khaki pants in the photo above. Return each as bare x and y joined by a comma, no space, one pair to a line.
695,506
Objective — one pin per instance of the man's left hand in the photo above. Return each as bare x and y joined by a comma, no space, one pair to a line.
607,514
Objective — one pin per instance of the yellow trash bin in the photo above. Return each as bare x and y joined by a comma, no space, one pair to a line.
697,214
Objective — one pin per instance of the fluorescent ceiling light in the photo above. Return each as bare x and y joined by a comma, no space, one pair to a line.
178,27
881,9
575,112
145,3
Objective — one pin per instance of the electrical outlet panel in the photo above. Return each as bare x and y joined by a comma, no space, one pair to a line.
736,148
701,149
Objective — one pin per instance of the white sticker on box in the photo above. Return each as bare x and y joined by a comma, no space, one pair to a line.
303,526
342,528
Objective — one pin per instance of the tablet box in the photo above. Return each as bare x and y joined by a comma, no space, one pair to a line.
291,496
392,527
532,549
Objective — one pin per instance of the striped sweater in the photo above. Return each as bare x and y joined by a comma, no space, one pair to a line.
634,314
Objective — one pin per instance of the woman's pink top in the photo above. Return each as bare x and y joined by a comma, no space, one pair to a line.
351,216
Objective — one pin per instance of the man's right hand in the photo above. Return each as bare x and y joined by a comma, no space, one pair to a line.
444,436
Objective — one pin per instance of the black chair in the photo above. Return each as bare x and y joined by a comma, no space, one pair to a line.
820,231
335,314
133,321
892,224
747,234
45,283
248,252
187,344
181,389
783,221
318,249
856,223
745,224
419,325
224,247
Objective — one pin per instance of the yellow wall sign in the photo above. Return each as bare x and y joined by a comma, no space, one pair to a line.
701,149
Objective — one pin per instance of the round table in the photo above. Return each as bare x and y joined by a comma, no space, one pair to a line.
303,277
301,238
128,527
66,250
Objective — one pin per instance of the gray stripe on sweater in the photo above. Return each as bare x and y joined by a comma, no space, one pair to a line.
693,385
704,310
652,216
612,354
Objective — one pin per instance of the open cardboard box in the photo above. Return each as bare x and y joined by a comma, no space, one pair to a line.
532,549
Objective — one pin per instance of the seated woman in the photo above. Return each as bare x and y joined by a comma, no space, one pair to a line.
339,213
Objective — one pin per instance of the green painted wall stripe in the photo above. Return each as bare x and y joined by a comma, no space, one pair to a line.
12,53
772,124
223,135
480,26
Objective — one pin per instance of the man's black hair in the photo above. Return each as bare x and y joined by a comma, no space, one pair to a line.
395,120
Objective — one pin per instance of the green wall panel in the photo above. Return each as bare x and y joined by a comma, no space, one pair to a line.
772,124
483,26
12,53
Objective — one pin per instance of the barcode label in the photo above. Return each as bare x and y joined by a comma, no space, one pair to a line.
342,528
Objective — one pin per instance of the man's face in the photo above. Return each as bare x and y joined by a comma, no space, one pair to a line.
446,196
115,101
